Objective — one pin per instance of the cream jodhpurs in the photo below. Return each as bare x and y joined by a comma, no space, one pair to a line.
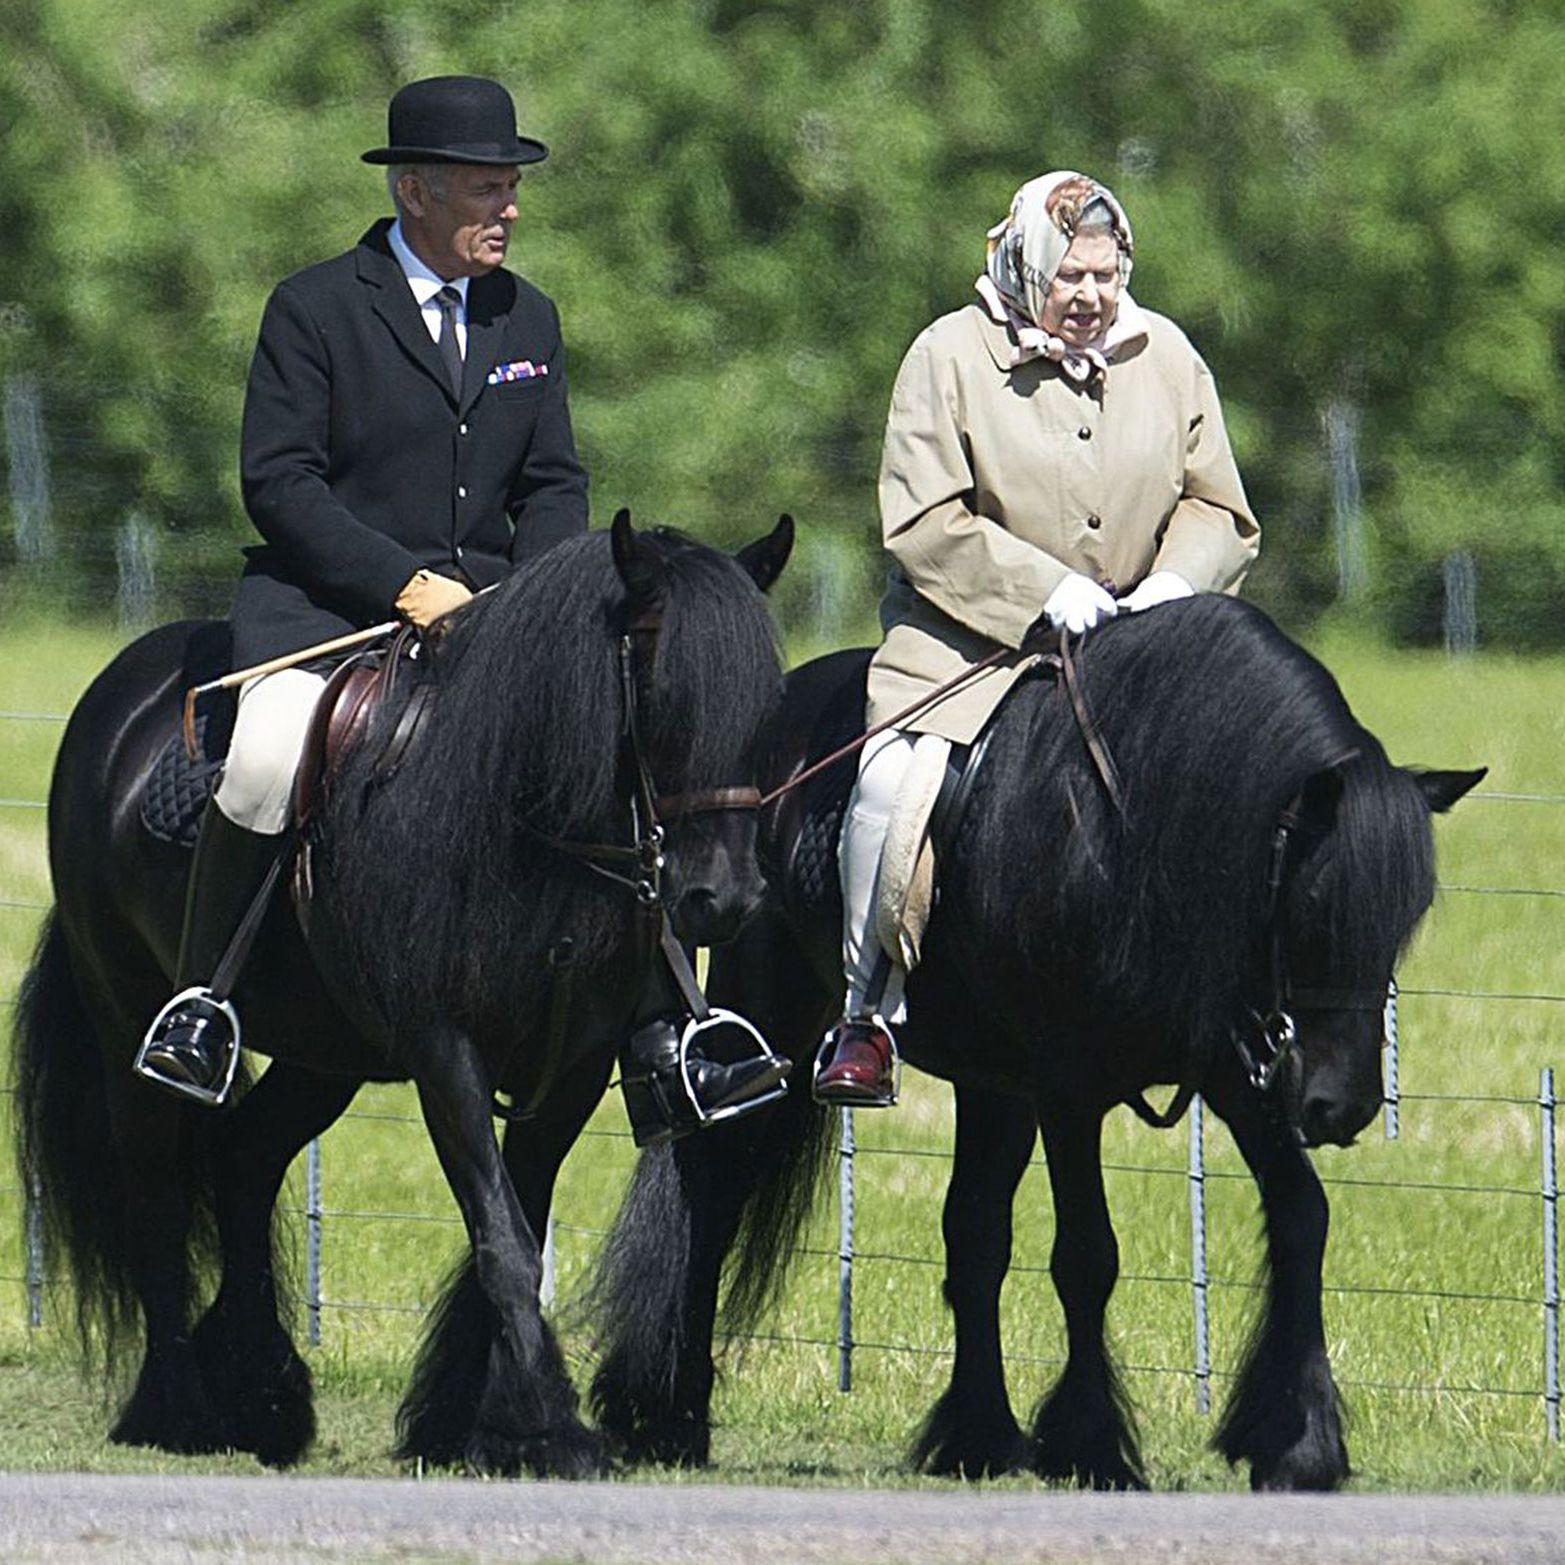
883,763
274,714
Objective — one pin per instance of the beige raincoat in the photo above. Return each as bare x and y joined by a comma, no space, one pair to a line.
995,482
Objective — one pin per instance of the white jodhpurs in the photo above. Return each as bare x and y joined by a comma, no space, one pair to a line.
883,763
274,714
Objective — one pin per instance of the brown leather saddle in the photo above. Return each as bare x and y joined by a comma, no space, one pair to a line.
343,719
187,770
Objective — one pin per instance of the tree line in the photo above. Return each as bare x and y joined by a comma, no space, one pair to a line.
1354,207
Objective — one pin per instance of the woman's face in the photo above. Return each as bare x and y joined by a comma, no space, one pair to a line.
1085,291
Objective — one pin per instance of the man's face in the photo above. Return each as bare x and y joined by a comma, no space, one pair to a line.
1085,291
459,224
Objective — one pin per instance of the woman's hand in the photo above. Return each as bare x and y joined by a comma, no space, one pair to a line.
1077,605
428,595
1159,587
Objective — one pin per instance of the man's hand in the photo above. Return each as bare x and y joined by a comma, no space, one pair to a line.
1159,587
1077,605
428,595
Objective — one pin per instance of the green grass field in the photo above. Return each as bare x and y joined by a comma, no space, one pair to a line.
781,1418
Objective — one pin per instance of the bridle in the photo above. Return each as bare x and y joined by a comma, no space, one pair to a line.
639,867
1268,1038
639,864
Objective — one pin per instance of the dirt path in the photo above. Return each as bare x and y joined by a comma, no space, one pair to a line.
154,1521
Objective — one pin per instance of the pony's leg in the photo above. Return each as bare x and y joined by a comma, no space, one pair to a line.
252,1373
1284,1415
437,1419
1083,1427
971,1432
168,1406
525,1415
748,1183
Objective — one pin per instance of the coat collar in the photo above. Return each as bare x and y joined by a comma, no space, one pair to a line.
489,300
997,337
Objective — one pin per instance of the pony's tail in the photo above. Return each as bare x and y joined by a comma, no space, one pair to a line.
732,1200
800,1138
64,1145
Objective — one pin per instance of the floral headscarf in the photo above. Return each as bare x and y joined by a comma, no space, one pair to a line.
1025,251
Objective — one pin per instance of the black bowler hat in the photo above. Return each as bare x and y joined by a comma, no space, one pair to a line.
454,119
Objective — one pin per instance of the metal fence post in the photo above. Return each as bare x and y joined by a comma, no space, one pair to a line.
845,1255
546,1282
312,1220
1198,1277
1551,1262
35,1266
1393,1085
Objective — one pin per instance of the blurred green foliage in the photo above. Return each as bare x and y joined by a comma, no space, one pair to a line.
752,208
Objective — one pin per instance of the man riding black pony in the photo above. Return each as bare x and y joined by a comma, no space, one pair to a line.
406,442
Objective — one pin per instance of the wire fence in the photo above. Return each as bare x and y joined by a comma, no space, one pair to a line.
325,1224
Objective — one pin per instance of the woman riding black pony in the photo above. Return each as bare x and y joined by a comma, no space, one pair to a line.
1217,901
457,936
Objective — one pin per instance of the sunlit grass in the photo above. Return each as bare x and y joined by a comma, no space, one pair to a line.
780,1416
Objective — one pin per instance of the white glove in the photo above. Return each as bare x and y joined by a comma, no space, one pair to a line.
1159,587
1078,603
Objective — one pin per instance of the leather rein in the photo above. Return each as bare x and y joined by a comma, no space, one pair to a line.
1062,661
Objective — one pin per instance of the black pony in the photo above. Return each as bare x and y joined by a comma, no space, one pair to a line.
442,915
1265,857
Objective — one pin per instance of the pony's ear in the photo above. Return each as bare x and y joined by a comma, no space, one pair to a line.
764,559
1442,789
638,567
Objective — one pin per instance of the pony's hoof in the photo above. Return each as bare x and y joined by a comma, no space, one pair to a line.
570,1451
1302,1470
676,1443
1103,1477
992,1454
169,1411
262,1389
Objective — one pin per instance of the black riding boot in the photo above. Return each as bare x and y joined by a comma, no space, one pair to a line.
190,1047
665,1100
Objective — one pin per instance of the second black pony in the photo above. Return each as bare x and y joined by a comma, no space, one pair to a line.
1264,863
448,898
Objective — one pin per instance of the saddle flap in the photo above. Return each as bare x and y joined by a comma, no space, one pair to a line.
905,884
339,721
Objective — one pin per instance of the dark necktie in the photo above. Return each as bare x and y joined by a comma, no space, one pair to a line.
450,301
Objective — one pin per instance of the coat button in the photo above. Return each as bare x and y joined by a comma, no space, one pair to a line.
1094,521
461,429
1084,433
461,491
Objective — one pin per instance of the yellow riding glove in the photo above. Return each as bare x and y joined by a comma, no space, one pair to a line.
428,595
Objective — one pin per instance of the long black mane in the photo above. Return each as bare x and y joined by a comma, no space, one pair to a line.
1216,722
459,905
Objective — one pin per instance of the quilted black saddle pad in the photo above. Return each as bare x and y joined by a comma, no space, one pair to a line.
180,784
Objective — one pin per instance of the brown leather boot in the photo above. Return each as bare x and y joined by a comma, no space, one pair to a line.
857,1065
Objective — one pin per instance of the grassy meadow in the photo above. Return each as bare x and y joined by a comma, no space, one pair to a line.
781,1417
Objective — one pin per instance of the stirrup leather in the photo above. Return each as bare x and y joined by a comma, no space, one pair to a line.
212,1097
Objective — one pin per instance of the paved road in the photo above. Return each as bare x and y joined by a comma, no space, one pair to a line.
155,1521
